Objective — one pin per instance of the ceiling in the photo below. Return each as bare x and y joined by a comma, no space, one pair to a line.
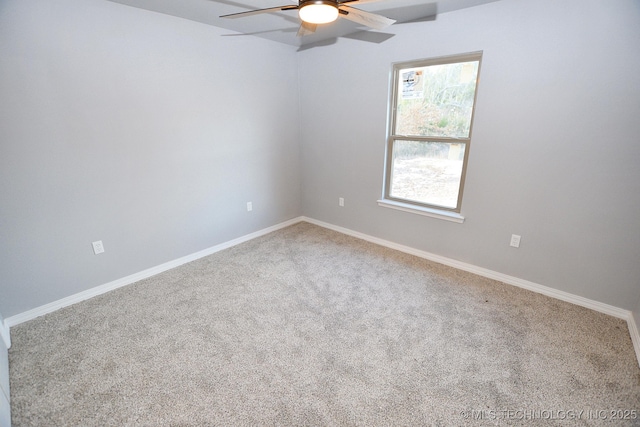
283,26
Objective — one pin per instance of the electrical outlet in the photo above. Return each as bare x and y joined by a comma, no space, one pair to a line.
249,206
98,247
515,241
341,201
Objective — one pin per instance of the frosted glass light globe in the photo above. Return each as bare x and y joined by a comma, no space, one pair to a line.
318,13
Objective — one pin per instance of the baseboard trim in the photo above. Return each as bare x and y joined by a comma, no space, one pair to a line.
510,280
635,335
5,333
504,278
101,289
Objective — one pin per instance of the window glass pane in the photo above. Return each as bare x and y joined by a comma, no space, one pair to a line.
436,100
427,172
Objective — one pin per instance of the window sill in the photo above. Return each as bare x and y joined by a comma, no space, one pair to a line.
419,210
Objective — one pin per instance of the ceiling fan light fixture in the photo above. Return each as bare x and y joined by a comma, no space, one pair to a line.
318,11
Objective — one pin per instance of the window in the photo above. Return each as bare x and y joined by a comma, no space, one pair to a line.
430,120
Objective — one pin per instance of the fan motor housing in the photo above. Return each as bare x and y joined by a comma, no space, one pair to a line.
333,3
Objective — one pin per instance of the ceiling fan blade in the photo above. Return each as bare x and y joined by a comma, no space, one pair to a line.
257,11
306,28
369,19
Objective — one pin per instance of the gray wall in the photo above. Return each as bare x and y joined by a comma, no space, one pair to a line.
145,131
555,150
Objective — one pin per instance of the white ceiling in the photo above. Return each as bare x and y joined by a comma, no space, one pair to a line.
283,26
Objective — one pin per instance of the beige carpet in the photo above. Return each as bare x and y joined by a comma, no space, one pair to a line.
306,326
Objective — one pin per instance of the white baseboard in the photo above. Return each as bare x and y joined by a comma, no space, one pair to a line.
531,286
98,290
4,333
521,283
635,335
510,280
5,411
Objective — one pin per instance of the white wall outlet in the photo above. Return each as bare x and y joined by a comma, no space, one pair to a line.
515,241
249,206
341,201
98,247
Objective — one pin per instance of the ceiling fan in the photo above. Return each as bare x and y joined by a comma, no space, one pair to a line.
314,12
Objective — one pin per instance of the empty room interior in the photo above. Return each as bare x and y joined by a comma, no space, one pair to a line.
202,220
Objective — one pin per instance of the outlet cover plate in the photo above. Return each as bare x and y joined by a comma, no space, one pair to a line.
98,247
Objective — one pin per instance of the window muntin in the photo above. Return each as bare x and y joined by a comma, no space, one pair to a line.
431,116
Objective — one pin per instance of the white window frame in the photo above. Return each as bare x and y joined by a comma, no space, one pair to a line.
435,211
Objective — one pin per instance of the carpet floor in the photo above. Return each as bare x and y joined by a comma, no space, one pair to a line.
307,326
